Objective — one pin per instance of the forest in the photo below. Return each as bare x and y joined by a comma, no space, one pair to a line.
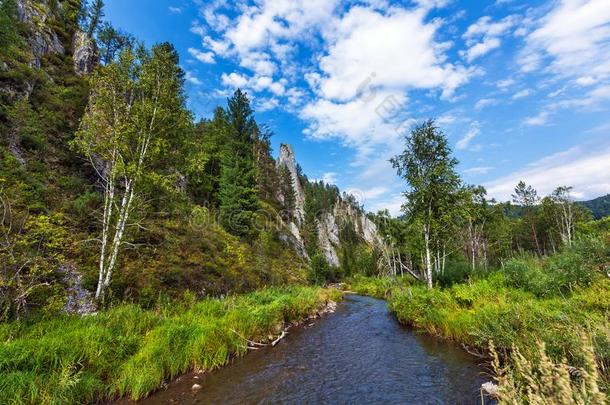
128,224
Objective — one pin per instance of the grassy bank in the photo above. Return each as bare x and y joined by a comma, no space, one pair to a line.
130,351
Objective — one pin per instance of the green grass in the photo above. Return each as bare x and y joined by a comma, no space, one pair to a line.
378,287
130,351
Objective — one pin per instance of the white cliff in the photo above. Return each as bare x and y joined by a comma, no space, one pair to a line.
288,160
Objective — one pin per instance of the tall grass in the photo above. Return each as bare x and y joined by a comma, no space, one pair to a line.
130,351
542,381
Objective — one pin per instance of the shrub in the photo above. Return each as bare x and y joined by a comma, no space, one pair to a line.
321,271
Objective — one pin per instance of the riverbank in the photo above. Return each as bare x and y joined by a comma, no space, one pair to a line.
128,351
359,355
488,310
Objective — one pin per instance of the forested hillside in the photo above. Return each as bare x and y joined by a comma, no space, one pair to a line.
110,187
599,207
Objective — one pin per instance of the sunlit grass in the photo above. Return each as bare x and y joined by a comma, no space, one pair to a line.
130,351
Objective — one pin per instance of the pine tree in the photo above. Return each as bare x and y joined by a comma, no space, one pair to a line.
288,193
238,189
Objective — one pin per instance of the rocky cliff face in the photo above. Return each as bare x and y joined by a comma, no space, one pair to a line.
43,40
328,224
84,53
288,160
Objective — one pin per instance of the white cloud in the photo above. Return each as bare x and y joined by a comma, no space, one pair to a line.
538,120
478,170
521,94
174,10
189,77
267,104
205,57
393,204
505,84
572,39
481,48
363,45
587,169
473,131
259,36
329,178
234,80
586,81
485,102
484,35
255,84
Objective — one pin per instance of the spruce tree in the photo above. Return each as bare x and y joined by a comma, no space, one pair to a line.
238,190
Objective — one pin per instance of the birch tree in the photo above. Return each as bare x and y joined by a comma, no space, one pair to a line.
563,200
135,112
527,197
429,169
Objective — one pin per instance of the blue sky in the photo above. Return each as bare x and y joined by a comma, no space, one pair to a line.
521,88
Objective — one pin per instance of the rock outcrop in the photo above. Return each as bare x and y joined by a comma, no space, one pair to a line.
294,239
288,160
42,40
328,224
84,53
328,238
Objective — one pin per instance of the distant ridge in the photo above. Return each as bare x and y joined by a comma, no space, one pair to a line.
599,207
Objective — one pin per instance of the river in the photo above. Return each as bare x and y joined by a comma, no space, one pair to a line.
358,355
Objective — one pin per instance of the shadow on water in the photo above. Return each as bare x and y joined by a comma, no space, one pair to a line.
360,354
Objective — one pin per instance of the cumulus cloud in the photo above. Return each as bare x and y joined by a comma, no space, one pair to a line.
204,57
587,169
363,45
191,78
484,35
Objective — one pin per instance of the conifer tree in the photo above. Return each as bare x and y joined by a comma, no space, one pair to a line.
238,190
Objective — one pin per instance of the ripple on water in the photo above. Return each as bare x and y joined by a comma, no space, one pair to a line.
359,354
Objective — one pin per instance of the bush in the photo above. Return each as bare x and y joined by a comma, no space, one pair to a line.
321,271
561,273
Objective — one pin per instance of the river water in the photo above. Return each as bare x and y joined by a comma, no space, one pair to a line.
358,355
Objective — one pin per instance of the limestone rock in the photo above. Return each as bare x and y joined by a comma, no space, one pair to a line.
294,239
84,53
288,160
43,40
328,238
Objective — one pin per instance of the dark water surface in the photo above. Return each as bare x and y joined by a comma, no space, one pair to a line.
358,355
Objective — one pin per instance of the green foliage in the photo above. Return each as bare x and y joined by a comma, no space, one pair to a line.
321,271
111,42
378,287
599,207
32,249
561,273
238,190
129,351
